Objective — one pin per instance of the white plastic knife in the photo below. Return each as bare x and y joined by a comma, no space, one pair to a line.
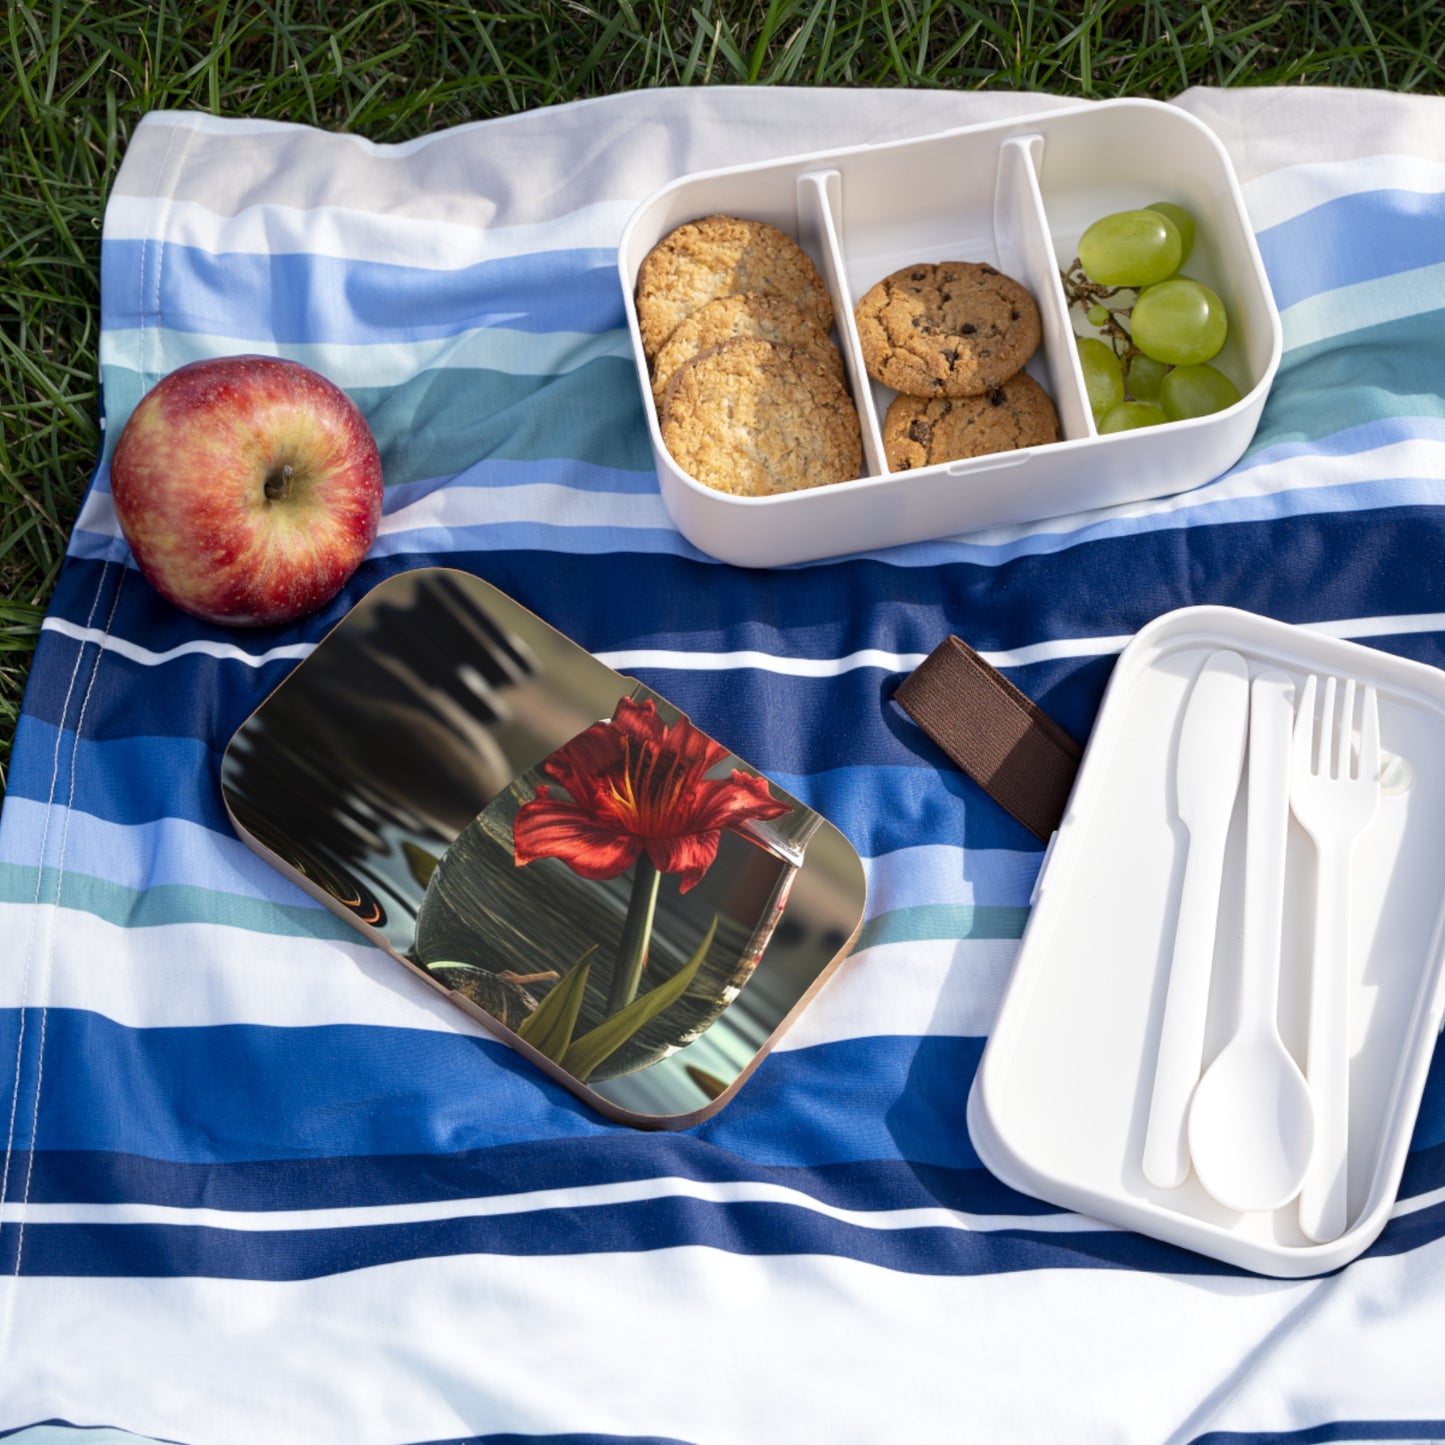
1210,760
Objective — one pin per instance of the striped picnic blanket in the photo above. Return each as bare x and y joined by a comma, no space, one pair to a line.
259,1184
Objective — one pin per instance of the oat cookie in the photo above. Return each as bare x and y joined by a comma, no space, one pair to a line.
752,418
918,432
716,256
748,313
956,328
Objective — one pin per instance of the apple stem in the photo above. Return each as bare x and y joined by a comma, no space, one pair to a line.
278,484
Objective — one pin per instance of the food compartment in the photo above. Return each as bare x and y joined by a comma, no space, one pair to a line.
1062,1101
1173,160
956,197
988,194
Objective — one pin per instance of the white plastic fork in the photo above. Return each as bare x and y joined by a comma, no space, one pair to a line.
1334,795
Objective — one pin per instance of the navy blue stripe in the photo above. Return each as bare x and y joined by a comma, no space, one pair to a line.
1339,565
300,297
754,1229
508,1438
571,1438
1353,238
1417,1432
58,1176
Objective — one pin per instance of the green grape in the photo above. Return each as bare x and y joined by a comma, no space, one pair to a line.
1103,376
1183,223
1196,391
1129,415
1130,248
1098,315
1179,322
1144,376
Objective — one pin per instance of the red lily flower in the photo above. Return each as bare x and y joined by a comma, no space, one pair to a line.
635,784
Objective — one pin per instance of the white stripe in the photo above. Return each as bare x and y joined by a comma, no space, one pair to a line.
596,1196
354,366
1419,457
1295,190
629,659
202,647
938,873
925,988
193,975
664,659
1418,1202
1362,305
196,975
543,502
696,1343
1284,194
426,243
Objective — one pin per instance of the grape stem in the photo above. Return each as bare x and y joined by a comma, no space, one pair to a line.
1086,295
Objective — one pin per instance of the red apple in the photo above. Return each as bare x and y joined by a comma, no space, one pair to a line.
248,487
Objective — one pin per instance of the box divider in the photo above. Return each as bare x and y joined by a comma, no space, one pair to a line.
820,219
1026,251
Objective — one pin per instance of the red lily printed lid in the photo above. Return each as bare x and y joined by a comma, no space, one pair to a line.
553,846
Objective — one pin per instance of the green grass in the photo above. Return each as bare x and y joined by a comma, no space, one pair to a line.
76,77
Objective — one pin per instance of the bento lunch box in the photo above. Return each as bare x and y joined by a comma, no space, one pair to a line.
1016,195
1062,1101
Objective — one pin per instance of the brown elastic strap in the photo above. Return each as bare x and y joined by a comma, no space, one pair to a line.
1011,748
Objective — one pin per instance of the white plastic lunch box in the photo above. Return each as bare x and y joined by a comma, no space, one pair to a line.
1016,195
1060,1105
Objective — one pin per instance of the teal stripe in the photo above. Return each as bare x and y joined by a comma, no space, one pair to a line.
439,423
1375,374
167,903
442,422
943,920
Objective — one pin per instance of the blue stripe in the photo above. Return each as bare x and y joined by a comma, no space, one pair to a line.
161,854
126,780
213,1093
1350,239
298,297
144,779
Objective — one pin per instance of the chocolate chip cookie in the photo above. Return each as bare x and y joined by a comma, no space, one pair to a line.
752,417
955,328
749,313
717,256
918,432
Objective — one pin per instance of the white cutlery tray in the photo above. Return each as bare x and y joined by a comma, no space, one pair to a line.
1060,1104
1017,195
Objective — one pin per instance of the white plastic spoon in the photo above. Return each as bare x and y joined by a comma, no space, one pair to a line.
1251,1121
